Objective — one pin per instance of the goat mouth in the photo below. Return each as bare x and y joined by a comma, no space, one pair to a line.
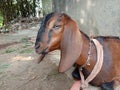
42,54
40,58
42,50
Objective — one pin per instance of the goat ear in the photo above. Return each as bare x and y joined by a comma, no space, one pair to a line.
71,45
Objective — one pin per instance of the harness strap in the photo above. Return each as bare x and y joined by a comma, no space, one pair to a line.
96,69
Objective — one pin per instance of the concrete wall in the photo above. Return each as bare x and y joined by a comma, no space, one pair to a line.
95,17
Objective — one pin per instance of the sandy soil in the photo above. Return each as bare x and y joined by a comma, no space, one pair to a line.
19,69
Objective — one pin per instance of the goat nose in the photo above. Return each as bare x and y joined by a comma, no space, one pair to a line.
37,46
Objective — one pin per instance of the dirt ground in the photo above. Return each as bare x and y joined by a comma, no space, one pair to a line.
18,65
19,69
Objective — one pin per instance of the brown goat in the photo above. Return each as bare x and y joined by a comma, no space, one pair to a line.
59,31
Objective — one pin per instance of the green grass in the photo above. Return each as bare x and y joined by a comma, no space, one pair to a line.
24,40
1,21
4,66
26,45
26,51
10,50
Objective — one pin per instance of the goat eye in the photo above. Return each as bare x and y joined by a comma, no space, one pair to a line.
56,26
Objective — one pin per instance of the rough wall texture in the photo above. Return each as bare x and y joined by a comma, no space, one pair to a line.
95,17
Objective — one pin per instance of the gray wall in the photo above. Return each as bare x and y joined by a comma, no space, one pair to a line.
95,17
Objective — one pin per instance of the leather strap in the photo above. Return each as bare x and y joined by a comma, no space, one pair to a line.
96,69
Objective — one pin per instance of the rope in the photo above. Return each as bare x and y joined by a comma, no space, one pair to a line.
96,69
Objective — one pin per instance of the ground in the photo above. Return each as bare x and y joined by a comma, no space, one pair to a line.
19,69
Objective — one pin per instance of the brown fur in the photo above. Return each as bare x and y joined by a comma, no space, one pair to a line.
74,47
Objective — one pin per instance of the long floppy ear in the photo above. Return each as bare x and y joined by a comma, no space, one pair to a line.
71,45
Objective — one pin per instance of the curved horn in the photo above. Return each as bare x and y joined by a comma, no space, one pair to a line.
71,45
